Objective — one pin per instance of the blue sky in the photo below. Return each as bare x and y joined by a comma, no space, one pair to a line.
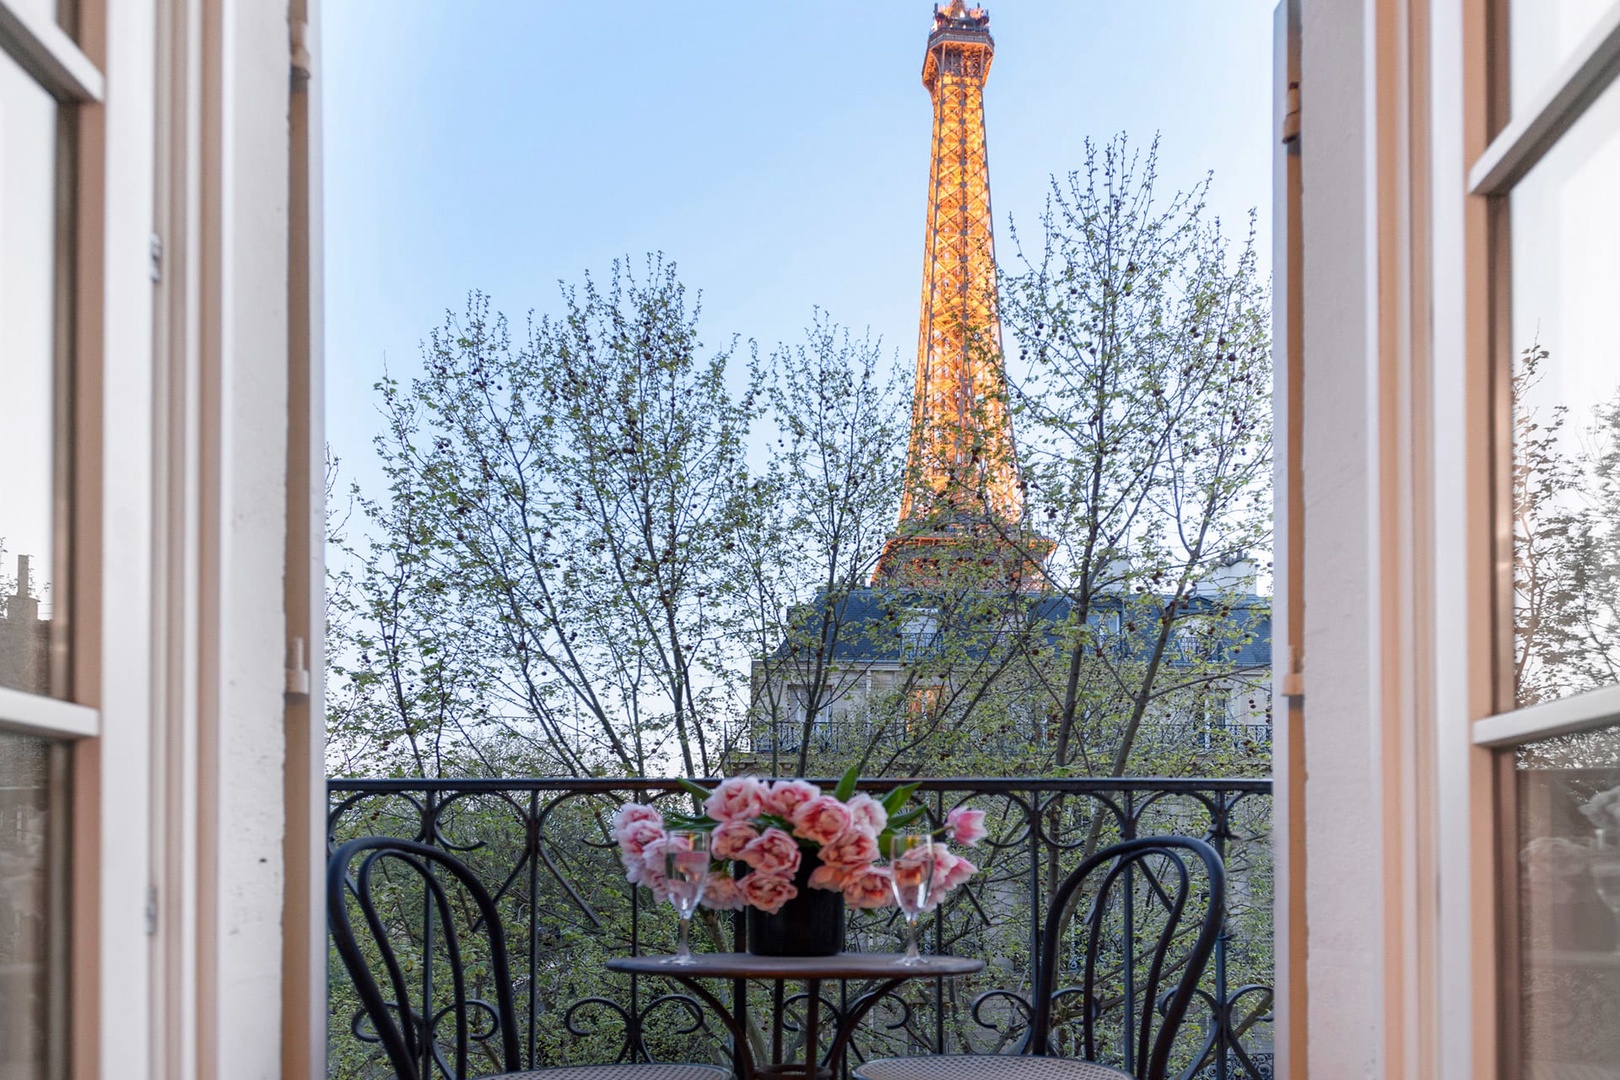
778,152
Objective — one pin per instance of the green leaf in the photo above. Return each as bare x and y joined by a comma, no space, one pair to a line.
695,789
900,821
895,799
694,824
846,784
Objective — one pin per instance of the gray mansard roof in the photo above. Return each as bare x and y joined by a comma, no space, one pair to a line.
876,625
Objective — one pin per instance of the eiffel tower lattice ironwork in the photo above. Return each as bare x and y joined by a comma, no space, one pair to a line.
962,501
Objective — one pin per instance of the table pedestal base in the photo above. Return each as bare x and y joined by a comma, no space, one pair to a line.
887,971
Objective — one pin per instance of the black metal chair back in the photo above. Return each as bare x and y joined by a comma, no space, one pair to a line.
407,1026
1145,895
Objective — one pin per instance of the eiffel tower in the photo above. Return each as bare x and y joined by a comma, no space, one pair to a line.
963,505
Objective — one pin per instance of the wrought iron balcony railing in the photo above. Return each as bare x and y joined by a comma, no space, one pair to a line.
845,735
542,847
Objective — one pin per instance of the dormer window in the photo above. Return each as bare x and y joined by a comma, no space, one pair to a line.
919,632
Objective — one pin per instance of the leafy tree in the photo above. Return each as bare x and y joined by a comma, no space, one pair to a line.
818,518
408,692
572,562
575,563
1145,418
1566,548
568,503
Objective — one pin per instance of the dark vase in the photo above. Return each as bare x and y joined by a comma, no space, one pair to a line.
810,924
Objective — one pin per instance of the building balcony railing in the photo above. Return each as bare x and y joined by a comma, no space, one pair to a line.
542,848
845,735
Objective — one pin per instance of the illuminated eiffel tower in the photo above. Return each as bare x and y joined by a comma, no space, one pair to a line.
963,504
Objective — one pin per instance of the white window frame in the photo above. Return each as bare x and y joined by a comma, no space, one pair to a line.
175,230
1475,818
33,714
45,51
50,56
1522,143
63,69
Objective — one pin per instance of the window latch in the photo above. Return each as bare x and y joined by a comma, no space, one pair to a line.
302,63
1290,124
297,672
1293,680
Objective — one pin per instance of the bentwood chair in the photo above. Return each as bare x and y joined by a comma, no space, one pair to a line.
410,1029
1142,897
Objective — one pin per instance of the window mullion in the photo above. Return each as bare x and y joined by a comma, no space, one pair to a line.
38,715
1533,131
45,51
1578,712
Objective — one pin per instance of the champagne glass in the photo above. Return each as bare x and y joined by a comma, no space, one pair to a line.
911,869
686,870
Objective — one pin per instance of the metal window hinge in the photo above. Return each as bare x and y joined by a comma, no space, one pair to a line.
151,910
1293,680
155,250
302,63
297,672
1290,124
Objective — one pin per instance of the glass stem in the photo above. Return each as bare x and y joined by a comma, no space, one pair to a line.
684,949
911,937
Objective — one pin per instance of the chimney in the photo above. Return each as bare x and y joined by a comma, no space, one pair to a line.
1238,574
1114,579
21,606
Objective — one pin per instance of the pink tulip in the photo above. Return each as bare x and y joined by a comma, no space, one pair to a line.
634,836
730,837
856,848
868,813
742,798
720,893
958,873
768,892
821,820
950,870
869,888
772,852
966,826
630,813
652,868
831,878
786,796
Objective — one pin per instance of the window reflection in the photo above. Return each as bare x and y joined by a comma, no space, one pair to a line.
32,782
1568,905
1542,34
28,381
1565,223
64,13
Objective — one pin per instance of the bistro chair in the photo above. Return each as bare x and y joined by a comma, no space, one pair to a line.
1144,895
412,1031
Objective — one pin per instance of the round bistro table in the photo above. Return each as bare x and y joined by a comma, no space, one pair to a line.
810,970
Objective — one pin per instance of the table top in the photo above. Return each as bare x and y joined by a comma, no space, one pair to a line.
839,966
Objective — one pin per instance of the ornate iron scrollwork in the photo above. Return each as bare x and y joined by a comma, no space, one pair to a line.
543,850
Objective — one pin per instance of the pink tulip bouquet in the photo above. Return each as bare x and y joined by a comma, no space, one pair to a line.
767,829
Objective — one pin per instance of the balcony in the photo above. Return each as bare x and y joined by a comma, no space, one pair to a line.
1171,746
541,846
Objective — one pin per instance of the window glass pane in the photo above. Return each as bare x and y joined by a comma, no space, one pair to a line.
28,391
1565,225
32,999
61,12
1541,35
